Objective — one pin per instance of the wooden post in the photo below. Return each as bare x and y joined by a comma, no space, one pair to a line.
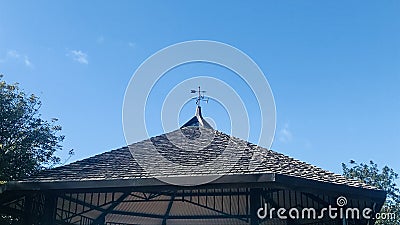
28,209
50,206
100,221
255,204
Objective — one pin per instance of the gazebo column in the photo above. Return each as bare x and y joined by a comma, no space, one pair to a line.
100,221
255,204
50,203
28,208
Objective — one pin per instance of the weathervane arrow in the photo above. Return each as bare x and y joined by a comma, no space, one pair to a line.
200,96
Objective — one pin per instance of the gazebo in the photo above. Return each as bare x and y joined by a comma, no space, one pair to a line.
112,188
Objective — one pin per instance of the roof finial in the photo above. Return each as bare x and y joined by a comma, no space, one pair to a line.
200,96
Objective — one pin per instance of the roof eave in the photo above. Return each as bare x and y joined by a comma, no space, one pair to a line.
240,180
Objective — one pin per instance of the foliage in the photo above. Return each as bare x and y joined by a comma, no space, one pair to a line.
27,142
383,179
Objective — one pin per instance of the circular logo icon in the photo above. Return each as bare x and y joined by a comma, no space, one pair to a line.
196,154
341,201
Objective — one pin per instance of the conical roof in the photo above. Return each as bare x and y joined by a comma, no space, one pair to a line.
255,160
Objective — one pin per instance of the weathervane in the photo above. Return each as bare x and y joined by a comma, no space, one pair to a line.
200,97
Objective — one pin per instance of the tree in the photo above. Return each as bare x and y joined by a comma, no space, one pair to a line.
27,142
383,179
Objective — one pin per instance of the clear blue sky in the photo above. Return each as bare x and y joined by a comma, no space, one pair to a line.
333,66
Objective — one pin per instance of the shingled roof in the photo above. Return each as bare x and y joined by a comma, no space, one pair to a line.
120,163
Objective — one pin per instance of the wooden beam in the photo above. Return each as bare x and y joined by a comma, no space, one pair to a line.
164,222
100,220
